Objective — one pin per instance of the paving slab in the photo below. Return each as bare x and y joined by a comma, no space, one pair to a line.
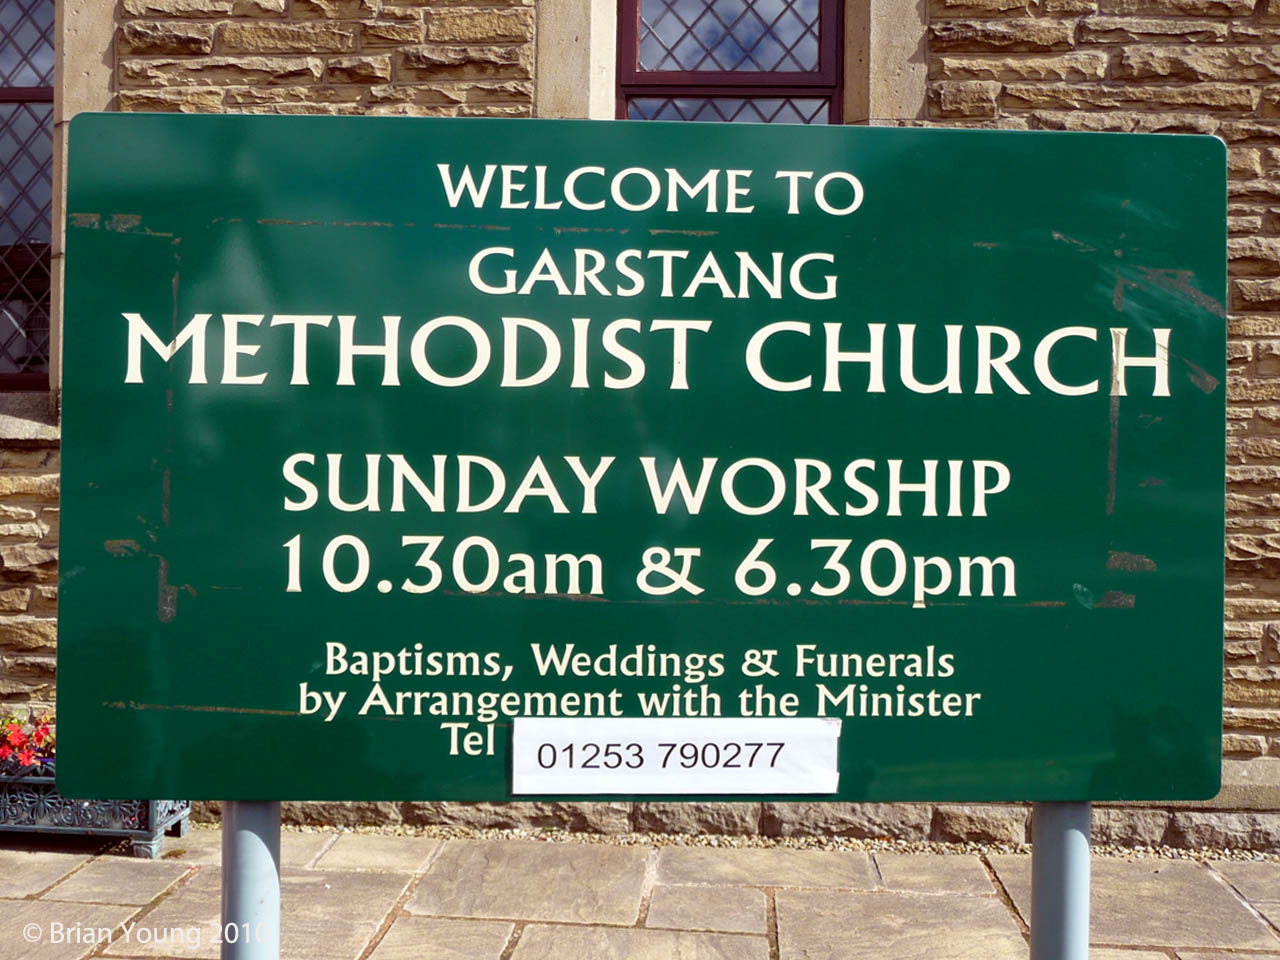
528,880
1255,880
1144,955
118,880
928,873
428,938
204,845
324,916
539,942
1272,913
357,851
24,873
765,867
720,909
1159,903
36,930
830,925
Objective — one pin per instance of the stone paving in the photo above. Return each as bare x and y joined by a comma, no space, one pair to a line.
350,896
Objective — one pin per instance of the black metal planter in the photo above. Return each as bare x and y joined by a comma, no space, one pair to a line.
30,803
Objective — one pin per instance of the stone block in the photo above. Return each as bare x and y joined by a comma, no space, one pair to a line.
1223,830
1253,255
146,36
500,92
1251,718
1126,121
1066,66
332,813
417,95
15,600
391,33
1012,34
724,819
335,9
964,98
1142,30
1243,745
220,71
1096,96
1256,292
241,97
25,563
1197,63
496,110
981,823
28,633
44,599
1245,162
358,69
1178,8
267,37
908,821
1132,828
409,110
21,531
1235,131
578,817
29,486
479,25
1253,191
980,8
1068,6
197,9
464,63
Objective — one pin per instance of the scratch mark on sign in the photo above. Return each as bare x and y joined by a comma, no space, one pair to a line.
1202,378
122,548
85,221
471,226
560,230
985,244
1181,282
197,708
1116,600
1113,455
655,231
1152,482
130,222
1119,560
1117,294
1072,241
274,222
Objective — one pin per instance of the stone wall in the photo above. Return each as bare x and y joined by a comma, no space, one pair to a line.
1168,66
28,561
442,58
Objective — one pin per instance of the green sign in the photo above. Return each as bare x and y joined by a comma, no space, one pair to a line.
435,459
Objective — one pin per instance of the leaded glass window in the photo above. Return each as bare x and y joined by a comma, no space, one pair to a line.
763,61
26,167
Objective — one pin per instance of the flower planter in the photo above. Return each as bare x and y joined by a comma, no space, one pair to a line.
30,803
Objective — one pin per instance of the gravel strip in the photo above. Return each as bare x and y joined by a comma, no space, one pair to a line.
555,835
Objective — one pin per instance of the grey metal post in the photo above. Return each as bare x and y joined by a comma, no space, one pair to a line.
250,881
1060,881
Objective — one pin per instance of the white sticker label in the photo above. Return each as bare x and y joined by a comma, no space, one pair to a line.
628,755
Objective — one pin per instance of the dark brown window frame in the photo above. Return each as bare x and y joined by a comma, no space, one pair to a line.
825,82
26,381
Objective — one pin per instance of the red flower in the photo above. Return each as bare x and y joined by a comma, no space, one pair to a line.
27,757
16,737
6,751
39,736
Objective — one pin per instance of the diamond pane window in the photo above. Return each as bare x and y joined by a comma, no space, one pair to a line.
762,61
26,164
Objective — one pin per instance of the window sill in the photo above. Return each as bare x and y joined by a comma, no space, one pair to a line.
25,417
